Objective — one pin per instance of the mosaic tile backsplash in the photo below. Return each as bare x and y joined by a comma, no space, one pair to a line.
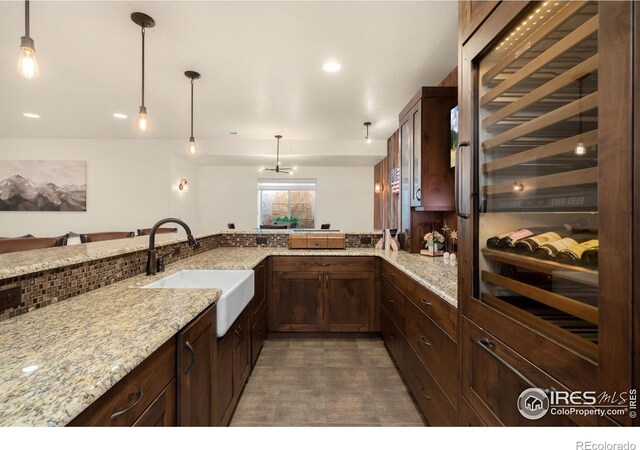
51,286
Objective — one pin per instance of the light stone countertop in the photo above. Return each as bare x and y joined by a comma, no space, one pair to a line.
57,360
32,261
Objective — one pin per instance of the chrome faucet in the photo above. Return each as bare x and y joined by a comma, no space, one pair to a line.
155,264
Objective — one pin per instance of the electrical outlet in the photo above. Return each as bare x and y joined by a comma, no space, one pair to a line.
261,240
10,297
365,240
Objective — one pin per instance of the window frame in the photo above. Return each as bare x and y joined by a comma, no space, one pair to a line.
289,185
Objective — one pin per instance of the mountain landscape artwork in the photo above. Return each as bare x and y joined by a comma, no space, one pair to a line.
43,186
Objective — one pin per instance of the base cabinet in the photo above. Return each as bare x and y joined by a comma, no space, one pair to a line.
196,366
233,368
162,412
323,294
258,334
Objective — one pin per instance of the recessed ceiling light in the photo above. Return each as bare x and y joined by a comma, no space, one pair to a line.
332,66
31,115
120,116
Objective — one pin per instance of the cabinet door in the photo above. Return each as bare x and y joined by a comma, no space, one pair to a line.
260,291
224,375
394,340
297,302
196,365
162,412
405,183
241,352
348,301
258,335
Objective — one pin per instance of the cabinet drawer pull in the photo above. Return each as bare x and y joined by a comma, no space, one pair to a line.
193,356
390,300
319,281
324,264
418,195
326,281
317,244
489,347
425,302
425,341
390,274
392,337
139,395
424,393
456,183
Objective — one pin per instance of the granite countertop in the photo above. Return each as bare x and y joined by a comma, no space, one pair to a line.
23,263
57,360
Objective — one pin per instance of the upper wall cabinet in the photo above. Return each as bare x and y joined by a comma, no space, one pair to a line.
471,14
424,148
546,199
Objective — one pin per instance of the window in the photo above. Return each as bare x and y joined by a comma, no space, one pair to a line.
291,198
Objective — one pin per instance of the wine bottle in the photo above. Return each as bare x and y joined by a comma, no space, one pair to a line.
589,258
551,249
573,254
494,242
530,244
509,240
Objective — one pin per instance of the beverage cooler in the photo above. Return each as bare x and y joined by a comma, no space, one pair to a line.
545,192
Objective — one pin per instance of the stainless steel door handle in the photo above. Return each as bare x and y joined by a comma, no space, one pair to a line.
457,179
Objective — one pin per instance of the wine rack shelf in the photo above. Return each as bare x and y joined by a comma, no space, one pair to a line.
570,40
573,333
538,265
562,179
568,305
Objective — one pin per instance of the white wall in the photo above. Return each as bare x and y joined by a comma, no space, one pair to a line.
344,196
130,184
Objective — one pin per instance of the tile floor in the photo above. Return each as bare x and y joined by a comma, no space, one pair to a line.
325,382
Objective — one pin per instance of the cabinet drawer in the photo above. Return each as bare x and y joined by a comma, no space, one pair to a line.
436,350
130,397
441,312
433,402
468,417
394,340
323,264
494,376
162,412
394,302
316,242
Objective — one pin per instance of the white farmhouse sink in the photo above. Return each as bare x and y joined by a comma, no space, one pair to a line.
237,290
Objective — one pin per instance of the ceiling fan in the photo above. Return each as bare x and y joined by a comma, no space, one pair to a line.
278,169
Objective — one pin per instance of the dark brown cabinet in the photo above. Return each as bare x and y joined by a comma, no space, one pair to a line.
258,334
259,311
234,366
140,393
196,366
162,412
426,354
557,154
332,294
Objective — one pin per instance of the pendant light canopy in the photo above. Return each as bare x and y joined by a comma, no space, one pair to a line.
367,138
143,21
278,169
192,141
27,64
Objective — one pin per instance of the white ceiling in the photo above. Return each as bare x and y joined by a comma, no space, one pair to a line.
261,66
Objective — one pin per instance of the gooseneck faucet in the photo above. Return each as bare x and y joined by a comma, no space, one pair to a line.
152,253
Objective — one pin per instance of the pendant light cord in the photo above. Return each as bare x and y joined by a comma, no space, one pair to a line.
278,154
579,109
142,66
26,18
191,108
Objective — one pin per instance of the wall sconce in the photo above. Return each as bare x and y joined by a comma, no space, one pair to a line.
183,186
378,187
517,186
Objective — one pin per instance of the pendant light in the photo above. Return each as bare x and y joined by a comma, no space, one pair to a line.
27,64
367,138
143,21
192,141
580,149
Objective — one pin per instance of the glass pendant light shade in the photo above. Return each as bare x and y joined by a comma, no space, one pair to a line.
192,145
142,123
27,63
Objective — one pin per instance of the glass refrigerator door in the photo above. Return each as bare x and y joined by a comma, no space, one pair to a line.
538,133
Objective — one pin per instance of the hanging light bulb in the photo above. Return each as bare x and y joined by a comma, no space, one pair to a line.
580,149
143,21
142,123
27,63
192,141
517,186
367,138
